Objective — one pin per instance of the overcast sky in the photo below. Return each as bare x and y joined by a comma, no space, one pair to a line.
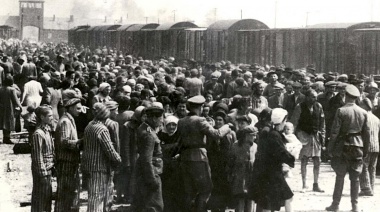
290,13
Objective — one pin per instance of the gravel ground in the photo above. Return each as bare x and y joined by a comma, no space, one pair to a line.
16,187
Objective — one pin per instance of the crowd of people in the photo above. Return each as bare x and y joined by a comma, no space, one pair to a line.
169,135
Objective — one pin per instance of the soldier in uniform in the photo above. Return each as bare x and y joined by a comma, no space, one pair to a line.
348,145
148,196
196,173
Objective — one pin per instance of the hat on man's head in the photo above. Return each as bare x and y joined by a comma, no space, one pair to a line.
198,100
331,84
155,108
341,85
297,85
352,90
100,111
72,101
373,85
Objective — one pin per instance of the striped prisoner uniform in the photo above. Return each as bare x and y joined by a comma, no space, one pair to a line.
68,158
368,175
42,163
99,156
113,128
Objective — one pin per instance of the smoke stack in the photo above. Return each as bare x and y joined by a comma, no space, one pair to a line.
53,17
105,19
71,18
121,19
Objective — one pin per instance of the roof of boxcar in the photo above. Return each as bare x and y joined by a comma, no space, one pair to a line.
177,25
124,27
106,27
235,25
150,26
80,28
138,27
196,29
346,25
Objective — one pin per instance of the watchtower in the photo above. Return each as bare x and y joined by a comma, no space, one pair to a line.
31,19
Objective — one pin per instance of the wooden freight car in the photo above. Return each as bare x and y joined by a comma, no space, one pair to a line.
221,38
131,38
121,42
367,51
7,32
195,44
169,39
328,49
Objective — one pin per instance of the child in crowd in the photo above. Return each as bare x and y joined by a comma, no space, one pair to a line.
293,146
30,121
206,114
240,167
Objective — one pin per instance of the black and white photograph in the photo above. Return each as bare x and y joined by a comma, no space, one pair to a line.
189,106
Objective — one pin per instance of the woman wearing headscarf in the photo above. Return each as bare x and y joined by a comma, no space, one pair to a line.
9,105
269,188
218,151
54,98
103,93
171,181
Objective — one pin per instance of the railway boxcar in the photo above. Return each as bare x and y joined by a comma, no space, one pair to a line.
168,39
327,47
7,32
134,40
367,52
120,37
221,40
195,44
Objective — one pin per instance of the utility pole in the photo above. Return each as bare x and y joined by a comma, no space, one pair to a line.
215,14
307,19
146,20
174,15
241,14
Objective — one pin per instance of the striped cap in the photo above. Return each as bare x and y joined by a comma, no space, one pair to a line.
101,112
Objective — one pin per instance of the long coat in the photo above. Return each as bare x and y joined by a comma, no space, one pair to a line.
8,103
268,186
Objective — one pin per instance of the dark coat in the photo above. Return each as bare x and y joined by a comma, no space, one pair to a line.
8,103
268,186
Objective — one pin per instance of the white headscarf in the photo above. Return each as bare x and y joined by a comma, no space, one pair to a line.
170,119
278,115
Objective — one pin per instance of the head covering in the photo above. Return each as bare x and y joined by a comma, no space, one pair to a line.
100,111
72,101
278,115
155,107
138,113
331,84
240,135
352,90
111,105
197,100
297,85
127,88
103,86
373,85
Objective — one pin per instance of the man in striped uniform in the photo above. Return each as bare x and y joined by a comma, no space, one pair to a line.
368,175
113,128
68,158
99,159
42,160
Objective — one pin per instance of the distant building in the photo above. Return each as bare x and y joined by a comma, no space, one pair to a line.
32,24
